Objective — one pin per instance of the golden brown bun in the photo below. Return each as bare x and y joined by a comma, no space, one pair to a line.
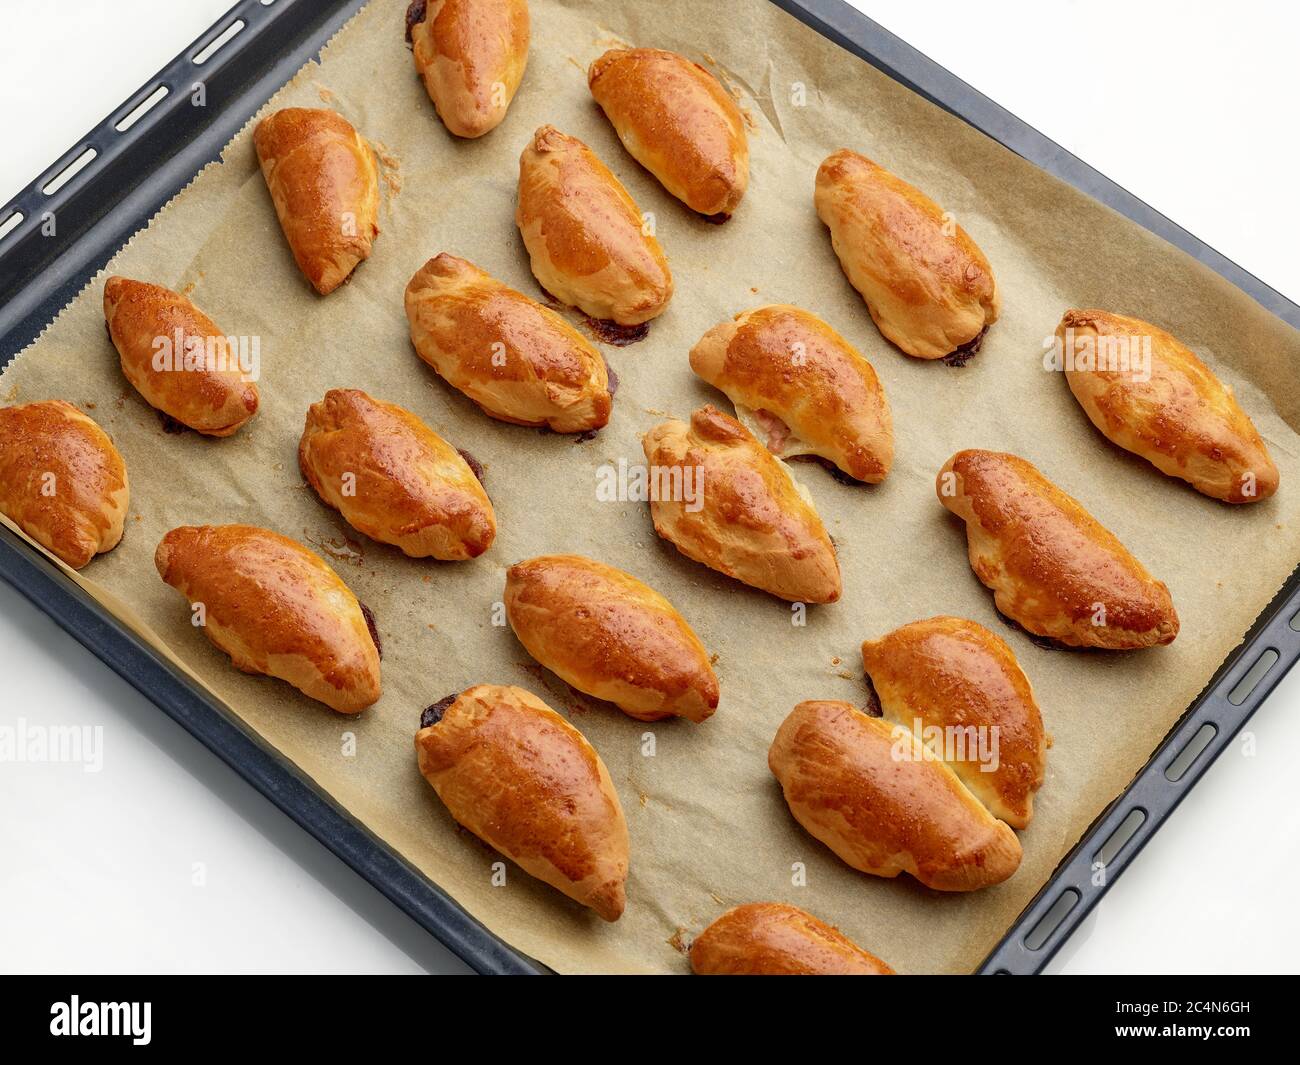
611,636
276,609
750,520
771,939
61,480
1182,419
325,186
521,362
926,283
217,399
1052,566
952,674
471,55
585,235
883,803
676,121
393,478
808,388
524,780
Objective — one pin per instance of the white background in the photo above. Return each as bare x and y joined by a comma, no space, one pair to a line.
1190,106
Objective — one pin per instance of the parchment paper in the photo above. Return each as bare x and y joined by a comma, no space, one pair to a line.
708,825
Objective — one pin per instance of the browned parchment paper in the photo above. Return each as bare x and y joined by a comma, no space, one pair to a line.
708,826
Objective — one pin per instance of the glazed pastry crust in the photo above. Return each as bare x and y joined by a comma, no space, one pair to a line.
521,778
676,121
807,386
1052,567
324,183
882,814
519,361
584,233
1183,420
754,523
62,482
471,55
929,290
607,634
217,400
408,487
950,673
276,609
772,939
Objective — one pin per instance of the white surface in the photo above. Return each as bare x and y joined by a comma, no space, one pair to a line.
1187,105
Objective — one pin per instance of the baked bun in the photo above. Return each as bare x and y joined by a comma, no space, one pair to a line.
800,388
772,939
471,55
62,482
521,362
949,676
676,121
607,634
723,500
883,803
586,239
1171,410
324,183
525,781
393,478
926,283
276,609
1051,565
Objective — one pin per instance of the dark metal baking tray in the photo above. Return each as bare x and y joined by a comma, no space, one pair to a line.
136,171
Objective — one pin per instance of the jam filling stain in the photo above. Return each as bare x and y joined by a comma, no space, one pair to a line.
830,467
433,714
374,632
586,436
171,425
611,379
619,335
472,463
1048,643
967,351
414,16
872,707
716,219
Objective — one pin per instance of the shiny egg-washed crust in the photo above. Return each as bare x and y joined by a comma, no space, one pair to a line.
471,55
754,524
607,634
825,396
215,400
522,779
61,480
949,673
885,805
393,478
324,183
519,361
276,609
1052,567
1182,420
585,236
927,285
676,121
772,939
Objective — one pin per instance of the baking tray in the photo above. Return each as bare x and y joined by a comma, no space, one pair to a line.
142,158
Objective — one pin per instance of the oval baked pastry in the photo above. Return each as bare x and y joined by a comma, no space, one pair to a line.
586,239
721,499
676,121
525,781
950,677
927,285
393,478
177,358
1052,567
1148,393
800,388
277,609
519,361
876,797
324,183
471,55
607,634
62,482
772,939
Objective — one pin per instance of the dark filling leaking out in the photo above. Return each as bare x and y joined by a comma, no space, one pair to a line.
431,715
1046,642
716,219
586,435
414,16
830,467
873,707
472,463
612,379
620,336
171,425
374,632
967,351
